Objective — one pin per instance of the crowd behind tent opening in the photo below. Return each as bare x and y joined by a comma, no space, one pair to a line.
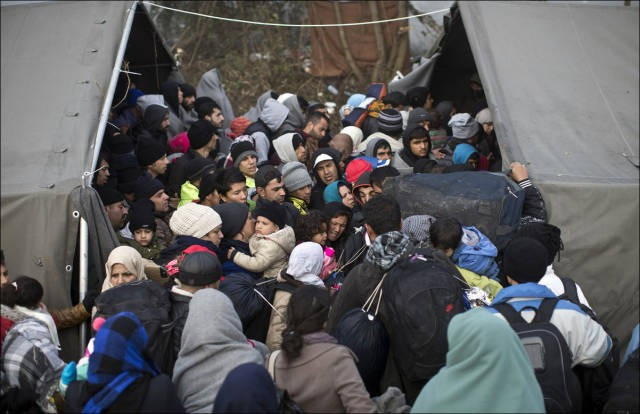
270,256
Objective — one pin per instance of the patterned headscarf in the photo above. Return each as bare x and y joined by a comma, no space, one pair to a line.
387,249
117,360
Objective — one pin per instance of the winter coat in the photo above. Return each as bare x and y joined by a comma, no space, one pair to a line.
188,193
178,174
283,145
151,252
210,85
324,378
295,119
254,113
269,254
278,320
228,266
299,204
159,397
179,310
30,361
490,286
212,345
367,146
181,243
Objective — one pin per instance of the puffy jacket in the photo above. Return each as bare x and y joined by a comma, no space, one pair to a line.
273,115
269,254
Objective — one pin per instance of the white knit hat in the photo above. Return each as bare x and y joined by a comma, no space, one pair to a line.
194,220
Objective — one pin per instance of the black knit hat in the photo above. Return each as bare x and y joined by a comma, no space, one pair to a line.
525,260
417,96
149,151
127,178
109,196
119,143
199,166
146,186
395,98
199,269
240,150
187,90
200,133
141,215
233,216
272,211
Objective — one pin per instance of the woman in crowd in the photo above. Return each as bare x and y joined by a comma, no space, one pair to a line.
124,265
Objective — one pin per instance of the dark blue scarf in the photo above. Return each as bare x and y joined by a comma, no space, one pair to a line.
117,360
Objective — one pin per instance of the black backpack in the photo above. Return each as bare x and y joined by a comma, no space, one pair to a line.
595,381
549,355
151,303
422,293
361,330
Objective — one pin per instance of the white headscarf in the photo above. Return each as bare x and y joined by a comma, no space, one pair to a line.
305,263
129,258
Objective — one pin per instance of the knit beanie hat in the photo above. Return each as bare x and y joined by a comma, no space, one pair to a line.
295,176
272,211
417,96
239,125
199,166
418,115
200,133
265,174
141,215
525,260
462,153
417,227
187,90
194,220
463,126
119,144
127,179
241,150
233,216
199,269
109,195
149,151
356,168
484,116
390,122
146,186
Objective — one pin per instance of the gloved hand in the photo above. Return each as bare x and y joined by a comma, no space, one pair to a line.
89,300
68,375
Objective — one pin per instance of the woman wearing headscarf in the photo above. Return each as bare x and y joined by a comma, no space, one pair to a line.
120,377
485,355
339,191
319,374
212,345
124,265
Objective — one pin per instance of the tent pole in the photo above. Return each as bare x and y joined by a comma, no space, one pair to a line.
108,99
84,270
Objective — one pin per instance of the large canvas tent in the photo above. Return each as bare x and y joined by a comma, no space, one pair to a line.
61,73
562,83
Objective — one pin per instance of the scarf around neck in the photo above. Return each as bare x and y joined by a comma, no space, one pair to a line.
387,249
44,317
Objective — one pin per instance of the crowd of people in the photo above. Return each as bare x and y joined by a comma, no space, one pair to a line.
244,248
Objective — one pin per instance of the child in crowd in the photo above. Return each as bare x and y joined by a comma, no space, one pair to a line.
271,244
142,224
312,227
446,234
196,169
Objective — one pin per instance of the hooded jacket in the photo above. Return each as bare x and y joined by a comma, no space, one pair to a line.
295,119
317,192
254,113
368,145
273,115
170,93
151,121
283,145
269,253
210,85
305,264
212,345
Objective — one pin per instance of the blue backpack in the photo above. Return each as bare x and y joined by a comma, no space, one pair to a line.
477,253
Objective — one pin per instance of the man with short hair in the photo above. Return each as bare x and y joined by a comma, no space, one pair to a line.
314,130
416,145
270,187
379,176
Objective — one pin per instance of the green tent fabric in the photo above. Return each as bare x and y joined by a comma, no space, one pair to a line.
57,63
562,83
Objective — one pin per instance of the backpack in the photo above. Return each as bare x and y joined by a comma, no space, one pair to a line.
490,201
244,292
476,253
422,292
595,381
549,355
623,393
361,330
151,303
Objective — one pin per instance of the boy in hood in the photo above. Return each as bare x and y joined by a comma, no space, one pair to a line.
326,169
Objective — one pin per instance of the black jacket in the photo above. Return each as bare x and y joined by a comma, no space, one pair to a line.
179,313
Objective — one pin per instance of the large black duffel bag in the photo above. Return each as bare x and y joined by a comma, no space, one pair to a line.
492,202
